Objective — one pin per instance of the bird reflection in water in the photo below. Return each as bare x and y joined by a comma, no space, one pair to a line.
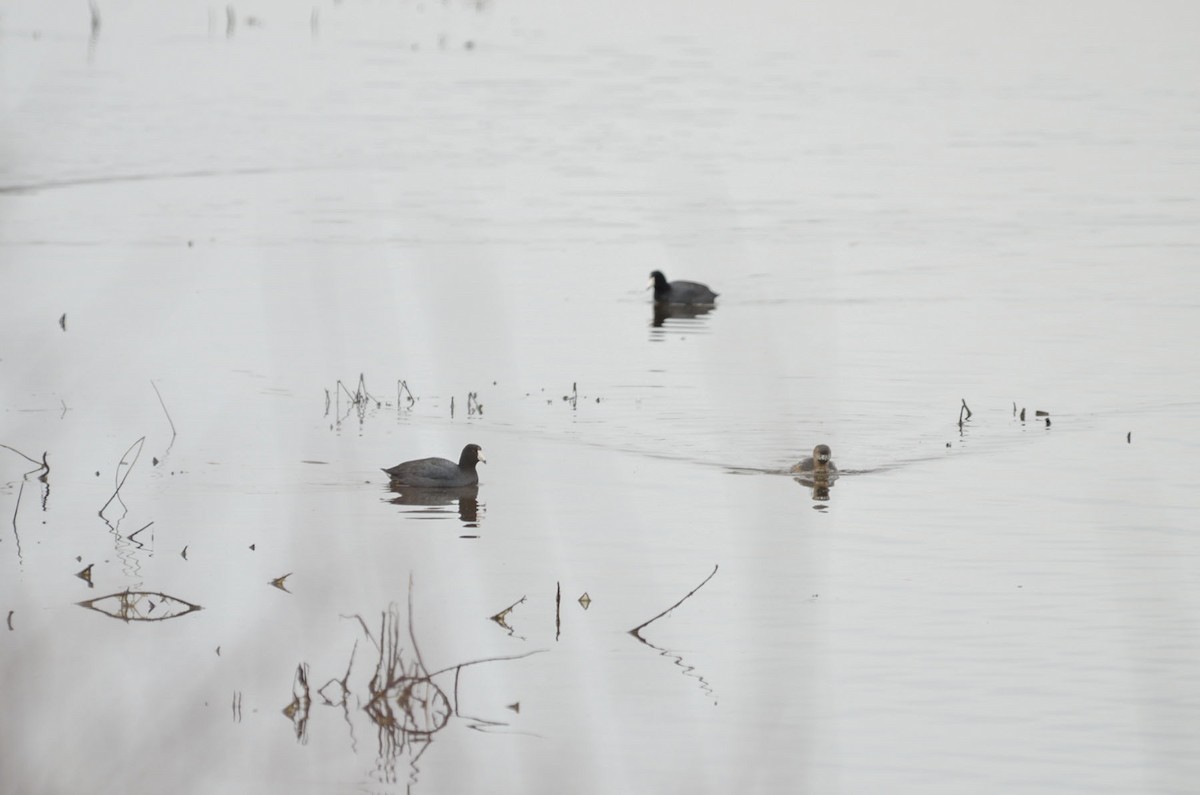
681,312
820,486
466,498
817,471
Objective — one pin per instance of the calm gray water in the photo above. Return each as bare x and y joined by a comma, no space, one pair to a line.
901,211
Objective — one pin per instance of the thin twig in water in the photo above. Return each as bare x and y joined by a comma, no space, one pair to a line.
162,403
17,510
115,495
363,624
499,617
636,631
343,684
362,390
411,634
358,398
18,452
140,529
44,468
458,666
402,390
480,723
961,411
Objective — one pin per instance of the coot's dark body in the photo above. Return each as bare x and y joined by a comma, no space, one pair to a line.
666,292
434,473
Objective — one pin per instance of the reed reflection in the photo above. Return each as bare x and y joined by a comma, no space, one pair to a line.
140,606
398,699
677,659
297,710
43,476
465,499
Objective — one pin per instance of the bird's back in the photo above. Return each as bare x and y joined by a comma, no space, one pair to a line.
684,292
430,472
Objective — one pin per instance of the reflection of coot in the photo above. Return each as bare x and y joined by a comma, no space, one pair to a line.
664,312
466,496
680,292
437,473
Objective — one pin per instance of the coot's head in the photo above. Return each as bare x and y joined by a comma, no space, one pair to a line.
659,283
471,455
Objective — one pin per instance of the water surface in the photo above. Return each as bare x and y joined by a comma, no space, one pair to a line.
900,213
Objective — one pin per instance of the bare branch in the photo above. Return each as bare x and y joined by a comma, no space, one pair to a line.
636,631
18,452
162,403
121,481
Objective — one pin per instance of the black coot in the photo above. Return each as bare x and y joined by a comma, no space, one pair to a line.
438,473
680,292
